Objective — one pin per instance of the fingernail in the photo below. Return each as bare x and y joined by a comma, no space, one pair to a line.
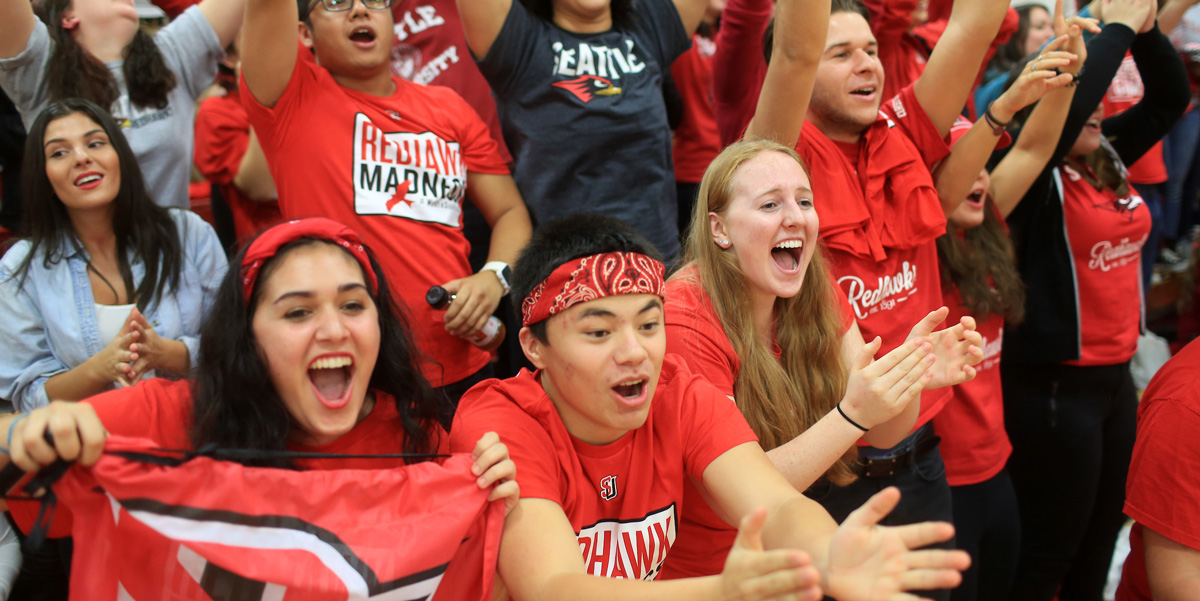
475,469
481,482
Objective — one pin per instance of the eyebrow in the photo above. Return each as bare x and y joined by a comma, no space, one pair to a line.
803,189
56,140
840,44
654,303
309,294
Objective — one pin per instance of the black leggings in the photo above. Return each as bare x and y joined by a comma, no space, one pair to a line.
1072,430
987,526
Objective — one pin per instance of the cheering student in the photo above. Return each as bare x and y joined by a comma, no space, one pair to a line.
305,350
394,160
108,287
608,428
1068,391
94,50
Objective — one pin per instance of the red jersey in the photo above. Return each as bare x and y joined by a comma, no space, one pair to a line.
393,168
880,218
697,337
222,136
974,443
1106,235
696,143
623,499
1125,91
1163,490
430,49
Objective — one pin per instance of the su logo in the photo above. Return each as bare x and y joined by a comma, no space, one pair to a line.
608,488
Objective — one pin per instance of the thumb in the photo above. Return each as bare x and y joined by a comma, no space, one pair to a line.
749,534
867,354
925,326
453,285
875,509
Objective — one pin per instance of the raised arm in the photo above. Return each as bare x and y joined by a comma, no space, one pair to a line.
253,177
269,47
738,64
225,17
1166,97
691,12
16,23
801,27
482,21
1172,14
942,89
1172,569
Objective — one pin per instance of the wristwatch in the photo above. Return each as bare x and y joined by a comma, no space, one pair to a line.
502,271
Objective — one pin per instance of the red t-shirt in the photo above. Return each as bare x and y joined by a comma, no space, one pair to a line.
623,499
696,142
394,169
974,443
222,135
430,49
1125,91
696,336
1106,235
739,66
161,410
880,218
1163,490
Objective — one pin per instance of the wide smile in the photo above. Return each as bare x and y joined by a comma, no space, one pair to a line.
866,93
331,377
89,180
363,37
787,255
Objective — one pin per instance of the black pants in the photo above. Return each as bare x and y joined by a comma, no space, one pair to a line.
988,527
924,496
1072,430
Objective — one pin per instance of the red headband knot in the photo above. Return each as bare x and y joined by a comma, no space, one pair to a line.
269,242
590,278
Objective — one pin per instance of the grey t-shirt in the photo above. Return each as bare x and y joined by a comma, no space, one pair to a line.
161,138
584,117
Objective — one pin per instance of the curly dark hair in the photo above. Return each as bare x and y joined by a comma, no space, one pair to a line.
237,407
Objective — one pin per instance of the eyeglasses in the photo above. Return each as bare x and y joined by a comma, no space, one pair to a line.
343,5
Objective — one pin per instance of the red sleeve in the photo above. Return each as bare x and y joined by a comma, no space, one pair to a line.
156,409
222,136
1163,490
712,422
890,20
486,408
480,150
272,123
738,65
909,116
174,8
695,335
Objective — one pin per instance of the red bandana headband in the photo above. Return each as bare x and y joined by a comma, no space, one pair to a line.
590,278
268,244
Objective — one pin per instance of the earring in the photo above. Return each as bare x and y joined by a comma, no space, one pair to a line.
724,244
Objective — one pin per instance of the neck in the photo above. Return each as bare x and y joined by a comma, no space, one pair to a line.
576,23
102,45
762,307
838,132
95,232
376,84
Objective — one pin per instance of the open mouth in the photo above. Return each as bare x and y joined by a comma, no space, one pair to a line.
363,36
787,254
88,181
631,389
331,378
865,91
975,198
1093,125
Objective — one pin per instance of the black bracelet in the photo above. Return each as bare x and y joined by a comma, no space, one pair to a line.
852,422
997,125
1075,77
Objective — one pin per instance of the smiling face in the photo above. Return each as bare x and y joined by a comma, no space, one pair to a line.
81,164
849,83
601,362
1041,29
771,225
351,43
319,336
969,213
1089,137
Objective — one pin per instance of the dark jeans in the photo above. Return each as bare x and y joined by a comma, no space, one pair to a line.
452,392
45,571
1072,430
924,496
987,526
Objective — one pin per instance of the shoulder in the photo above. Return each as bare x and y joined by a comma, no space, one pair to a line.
14,257
158,409
189,225
516,407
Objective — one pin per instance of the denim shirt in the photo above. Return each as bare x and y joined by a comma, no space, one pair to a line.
49,324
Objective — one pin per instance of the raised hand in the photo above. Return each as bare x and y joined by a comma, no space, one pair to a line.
869,562
1040,76
879,390
1131,13
957,349
495,469
752,574
75,428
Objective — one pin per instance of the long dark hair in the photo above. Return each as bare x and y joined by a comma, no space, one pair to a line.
73,72
622,11
236,405
982,264
139,225
1013,52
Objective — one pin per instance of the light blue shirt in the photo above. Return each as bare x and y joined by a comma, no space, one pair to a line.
49,323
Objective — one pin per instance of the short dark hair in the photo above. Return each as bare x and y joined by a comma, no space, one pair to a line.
567,239
622,11
835,7
236,407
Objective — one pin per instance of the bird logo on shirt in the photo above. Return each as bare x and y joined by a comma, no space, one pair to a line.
1122,206
586,87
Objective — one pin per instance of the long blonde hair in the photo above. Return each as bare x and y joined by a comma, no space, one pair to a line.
780,398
